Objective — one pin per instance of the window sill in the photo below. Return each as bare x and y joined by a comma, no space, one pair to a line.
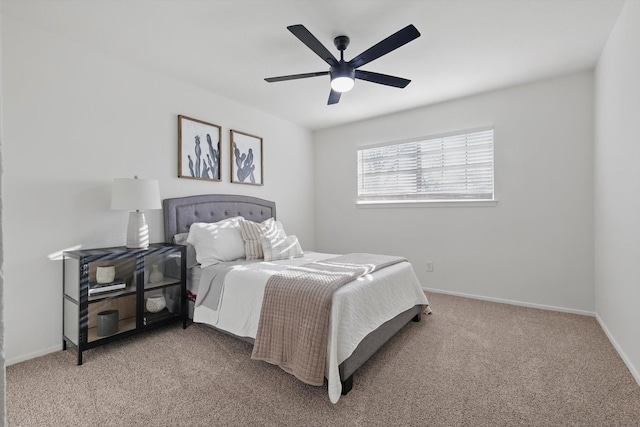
428,204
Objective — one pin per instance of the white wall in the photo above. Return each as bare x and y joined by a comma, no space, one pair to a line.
74,119
617,186
2,357
535,247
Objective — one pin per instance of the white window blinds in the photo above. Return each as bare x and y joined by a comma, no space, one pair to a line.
453,167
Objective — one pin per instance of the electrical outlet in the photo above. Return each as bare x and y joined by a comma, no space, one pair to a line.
430,266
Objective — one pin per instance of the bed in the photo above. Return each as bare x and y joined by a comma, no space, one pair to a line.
354,334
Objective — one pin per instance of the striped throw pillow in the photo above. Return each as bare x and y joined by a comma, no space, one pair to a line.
252,232
281,248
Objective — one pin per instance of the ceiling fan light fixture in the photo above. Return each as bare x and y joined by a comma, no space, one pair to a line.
342,79
342,84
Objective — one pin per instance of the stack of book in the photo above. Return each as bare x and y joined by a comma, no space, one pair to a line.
99,288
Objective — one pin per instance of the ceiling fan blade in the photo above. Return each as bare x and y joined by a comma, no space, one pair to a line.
296,76
387,45
312,43
334,97
382,79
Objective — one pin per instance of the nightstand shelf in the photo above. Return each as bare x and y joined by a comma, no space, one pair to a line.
124,325
129,290
93,320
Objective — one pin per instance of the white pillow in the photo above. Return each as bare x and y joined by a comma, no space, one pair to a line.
181,239
217,242
252,232
281,248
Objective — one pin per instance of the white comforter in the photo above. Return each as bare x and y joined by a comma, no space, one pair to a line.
358,308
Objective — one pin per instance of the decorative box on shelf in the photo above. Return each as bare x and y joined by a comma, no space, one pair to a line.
95,312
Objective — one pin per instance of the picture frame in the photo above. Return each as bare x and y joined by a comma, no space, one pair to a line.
199,145
246,158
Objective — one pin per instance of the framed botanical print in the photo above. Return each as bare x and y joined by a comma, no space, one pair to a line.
246,158
198,149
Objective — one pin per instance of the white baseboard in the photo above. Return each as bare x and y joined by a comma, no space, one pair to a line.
615,344
33,355
506,301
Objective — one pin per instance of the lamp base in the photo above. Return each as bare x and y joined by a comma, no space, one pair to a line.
137,231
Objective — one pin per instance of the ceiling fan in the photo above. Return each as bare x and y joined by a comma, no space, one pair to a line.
343,73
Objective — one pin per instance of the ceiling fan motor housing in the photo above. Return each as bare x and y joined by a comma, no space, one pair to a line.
342,77
343,69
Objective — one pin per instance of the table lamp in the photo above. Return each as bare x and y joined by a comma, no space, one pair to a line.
136,195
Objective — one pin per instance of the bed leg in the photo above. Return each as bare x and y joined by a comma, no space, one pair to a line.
417,317
347,385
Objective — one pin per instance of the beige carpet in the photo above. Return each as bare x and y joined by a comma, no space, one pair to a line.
471,363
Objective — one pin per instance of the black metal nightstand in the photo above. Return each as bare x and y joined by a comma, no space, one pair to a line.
148,290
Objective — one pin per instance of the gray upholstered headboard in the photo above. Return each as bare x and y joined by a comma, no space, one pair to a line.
181,212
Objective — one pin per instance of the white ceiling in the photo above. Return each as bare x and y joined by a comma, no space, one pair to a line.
230,46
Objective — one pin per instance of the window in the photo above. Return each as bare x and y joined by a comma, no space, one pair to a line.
443,168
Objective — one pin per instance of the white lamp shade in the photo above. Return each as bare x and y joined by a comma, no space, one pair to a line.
135,194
